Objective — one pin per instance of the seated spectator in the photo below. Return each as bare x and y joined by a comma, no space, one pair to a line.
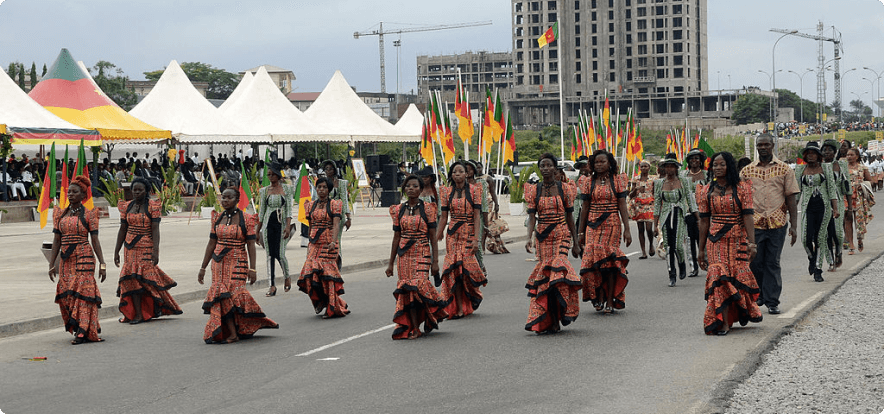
17,188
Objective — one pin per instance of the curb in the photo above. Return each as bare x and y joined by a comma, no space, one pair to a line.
724,390
51,322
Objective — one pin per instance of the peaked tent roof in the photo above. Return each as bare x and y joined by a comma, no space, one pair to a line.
240,87
264,108
174,103
70,93
31,124
412,121
343,114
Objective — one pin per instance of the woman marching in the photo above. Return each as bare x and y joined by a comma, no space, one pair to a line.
835,227
727,233
672,203
553,285
320,277
818,205
275,224
859,207
233,312
603,217
414,242
76,293
144,288
338,190
462,276
641,207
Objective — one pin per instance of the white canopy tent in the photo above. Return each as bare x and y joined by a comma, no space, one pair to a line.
412,121
176,105
264,108
240,87
345,117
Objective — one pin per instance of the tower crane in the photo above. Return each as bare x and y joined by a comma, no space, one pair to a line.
820,76
380,32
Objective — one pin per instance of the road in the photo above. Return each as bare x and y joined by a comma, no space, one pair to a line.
651,357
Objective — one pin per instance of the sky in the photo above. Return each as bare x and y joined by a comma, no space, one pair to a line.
315,38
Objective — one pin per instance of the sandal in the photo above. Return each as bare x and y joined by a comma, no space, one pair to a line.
642,257
288,285
79,339
123,320
271,292
851,252
859,243
135,321
231,340
722,333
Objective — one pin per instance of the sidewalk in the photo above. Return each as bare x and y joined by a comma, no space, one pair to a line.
28,295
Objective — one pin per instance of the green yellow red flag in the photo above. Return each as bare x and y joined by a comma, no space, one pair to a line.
549,36
302,191
245,191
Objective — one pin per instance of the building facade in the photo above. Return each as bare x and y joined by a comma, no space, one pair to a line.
478,70
648,55
283,78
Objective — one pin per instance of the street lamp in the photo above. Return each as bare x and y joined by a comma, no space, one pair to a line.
878,76
841,110
771,113
801,90
773,76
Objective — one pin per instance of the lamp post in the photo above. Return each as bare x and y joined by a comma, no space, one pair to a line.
878,77
841,110
772,112
801,90
773,76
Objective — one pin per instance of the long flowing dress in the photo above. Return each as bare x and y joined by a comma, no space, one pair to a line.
77,293
815,204
228,296
274,209
320,277
601,251
730,283
553,285
835,228
139,276
859,201
641,207
461,270
414,291
670,208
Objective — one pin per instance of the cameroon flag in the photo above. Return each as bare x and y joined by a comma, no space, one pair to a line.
303,192
550,36
245,190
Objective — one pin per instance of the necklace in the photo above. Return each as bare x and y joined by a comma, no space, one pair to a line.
547,188
77,210
603,179
229,214
412,208
718,187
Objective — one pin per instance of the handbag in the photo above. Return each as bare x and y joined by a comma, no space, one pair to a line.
497,226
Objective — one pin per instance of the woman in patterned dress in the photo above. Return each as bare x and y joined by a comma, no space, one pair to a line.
414,242
462,276
818,204
233,312
320,277
859,209
603,217
641,207
553,285
727,233
143,288
673,201
77,293
275,224
835,228
338,190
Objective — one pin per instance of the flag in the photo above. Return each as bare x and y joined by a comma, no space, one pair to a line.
590,133
606,113
81,168
302,191
573,145
550,36
447,138
464,117
46,194
426,145
638,147
245,192
63,192
498,123
703,145
509,141
487,132
265,180
52,178
435,118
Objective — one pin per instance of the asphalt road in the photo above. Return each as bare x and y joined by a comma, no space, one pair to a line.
651,357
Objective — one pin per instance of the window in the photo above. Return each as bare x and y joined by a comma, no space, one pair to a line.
595,41
535,55
611,64
611,51
661,61
610,27
677,47
535,18
578,78
576,17
642,24
576,4
520,80
595,28
595,65
611,77
629,76
629,51
577,53
520,56
553,78
610,40
535,67
577,29
518,7
678,60
628,63
594,18
553,66
593,4
641,12
676,34
576,41
595,53
535,80
629,39
661,73
643,74
628,26
595,77
554,53
660,10
611,15
551,5
520,68
551,17
659,23
628,3
628,13
661,49
678,73
642,49
676,22
576,66
642,36
610,3
519,43
676,9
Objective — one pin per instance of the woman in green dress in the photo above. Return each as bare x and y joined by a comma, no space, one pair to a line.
818,204
275,224
338,192
672,202
835,228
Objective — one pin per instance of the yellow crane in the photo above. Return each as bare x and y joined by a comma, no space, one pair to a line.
380,32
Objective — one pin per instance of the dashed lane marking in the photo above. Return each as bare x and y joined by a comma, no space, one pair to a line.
345,340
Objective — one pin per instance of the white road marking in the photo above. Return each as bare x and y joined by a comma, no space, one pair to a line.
328,359
632,254
791,313
343,341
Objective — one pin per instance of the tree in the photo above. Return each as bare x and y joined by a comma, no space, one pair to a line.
751,108
44,71
21,76
113,83
33,75
789,99
11,70
857,105
221,82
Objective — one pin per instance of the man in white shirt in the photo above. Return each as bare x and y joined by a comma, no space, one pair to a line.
18,189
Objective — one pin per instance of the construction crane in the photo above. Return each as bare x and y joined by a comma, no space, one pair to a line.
821,76
380,32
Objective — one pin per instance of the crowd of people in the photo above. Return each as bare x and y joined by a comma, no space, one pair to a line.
730,219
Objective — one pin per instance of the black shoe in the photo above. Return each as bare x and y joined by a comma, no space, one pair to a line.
818,276
759,302
682,271
671,282
773,310
694,273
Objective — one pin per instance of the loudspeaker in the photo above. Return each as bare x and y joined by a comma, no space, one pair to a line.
383,159
388,176
372,164
389,198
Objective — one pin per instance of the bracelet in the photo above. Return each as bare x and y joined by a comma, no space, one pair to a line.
752,245
102,266
253,270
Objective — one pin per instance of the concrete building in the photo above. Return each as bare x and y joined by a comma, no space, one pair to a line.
649,55
479,70
142,88
283,78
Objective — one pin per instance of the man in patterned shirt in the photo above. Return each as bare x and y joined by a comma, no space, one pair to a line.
774,188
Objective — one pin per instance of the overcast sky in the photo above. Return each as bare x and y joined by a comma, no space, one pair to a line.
314,38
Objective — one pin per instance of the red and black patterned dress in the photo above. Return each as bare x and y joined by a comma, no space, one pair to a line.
228,296
415,261
77,293
139,275
553,284
461,269
601,251
729,281
320,277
